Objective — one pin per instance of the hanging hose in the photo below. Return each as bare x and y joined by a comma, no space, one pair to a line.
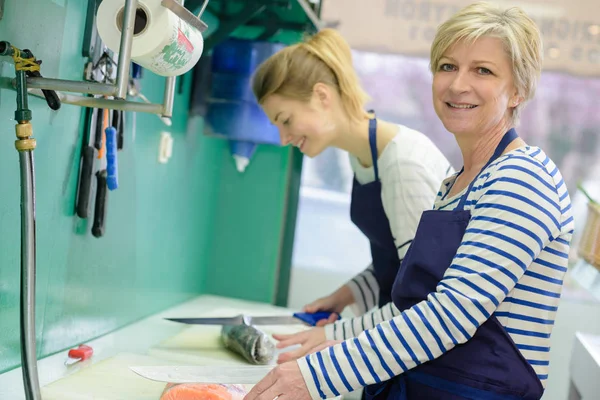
25,64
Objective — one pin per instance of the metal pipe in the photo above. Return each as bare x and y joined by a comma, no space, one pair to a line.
125,48
97,102
314,19
169,97
62,85
25,145
28,273
203,8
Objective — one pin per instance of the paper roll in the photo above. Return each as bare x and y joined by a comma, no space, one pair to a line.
162,42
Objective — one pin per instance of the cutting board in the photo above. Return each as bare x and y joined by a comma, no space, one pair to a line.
201,344
110,379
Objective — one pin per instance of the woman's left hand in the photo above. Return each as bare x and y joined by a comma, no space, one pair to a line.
307,340
284,381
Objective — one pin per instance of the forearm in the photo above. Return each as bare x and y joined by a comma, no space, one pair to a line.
364,291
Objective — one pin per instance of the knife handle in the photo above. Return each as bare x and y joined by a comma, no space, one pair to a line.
100,206
111,158
313,318
85,181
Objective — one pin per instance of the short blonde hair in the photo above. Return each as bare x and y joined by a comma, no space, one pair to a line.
324,58
519,33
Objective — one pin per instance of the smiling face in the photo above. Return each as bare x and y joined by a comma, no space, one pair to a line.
306,125
473,88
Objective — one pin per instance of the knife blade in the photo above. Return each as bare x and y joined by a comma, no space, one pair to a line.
295,319
205,374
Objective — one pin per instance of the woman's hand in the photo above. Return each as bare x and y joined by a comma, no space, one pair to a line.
307,340
334,303
284,381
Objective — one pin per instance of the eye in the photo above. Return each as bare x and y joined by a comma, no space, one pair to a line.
286,122
447,67
484,71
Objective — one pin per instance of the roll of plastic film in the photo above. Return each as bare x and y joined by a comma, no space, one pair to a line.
162,42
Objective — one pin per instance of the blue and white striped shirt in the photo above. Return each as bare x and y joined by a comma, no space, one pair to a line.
511,263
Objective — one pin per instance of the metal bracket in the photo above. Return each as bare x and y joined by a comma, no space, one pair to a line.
272,26
250,10
185,14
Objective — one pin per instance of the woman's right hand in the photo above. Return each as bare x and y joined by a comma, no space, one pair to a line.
334,303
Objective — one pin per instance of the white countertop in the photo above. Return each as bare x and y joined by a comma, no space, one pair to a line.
134,339
585,365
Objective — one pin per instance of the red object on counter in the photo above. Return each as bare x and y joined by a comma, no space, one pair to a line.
81,353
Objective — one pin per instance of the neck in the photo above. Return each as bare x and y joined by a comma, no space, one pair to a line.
353,137
478,149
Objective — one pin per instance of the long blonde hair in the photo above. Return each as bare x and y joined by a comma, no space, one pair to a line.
295,70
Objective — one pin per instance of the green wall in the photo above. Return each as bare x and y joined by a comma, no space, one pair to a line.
173,231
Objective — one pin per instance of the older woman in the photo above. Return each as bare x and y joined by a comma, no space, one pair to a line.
476,296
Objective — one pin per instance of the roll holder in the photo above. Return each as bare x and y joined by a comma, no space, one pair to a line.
120,88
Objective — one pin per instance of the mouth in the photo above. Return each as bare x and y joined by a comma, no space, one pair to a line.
300,143
461,106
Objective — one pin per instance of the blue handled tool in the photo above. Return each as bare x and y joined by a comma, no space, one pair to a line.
111,158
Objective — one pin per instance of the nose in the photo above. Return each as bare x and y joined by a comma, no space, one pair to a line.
285,137
460,83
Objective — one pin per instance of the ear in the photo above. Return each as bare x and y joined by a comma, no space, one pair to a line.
515,100
322,93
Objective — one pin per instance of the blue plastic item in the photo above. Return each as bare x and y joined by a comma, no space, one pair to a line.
136,71
231,109
242,151
240,121
241,56
242,148
313,318
232,87
111,158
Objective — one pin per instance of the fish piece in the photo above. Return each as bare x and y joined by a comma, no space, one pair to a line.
249,342
201,391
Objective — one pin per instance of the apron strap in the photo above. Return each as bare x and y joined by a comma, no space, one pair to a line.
506,140
373,145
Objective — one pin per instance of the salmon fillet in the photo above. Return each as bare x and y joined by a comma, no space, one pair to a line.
199,391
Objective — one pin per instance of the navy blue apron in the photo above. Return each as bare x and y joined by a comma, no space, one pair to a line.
367,213
489,366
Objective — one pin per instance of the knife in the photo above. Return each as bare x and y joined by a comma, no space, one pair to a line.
295,319
226,374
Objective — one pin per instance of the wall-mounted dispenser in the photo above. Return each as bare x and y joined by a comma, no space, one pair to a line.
230,110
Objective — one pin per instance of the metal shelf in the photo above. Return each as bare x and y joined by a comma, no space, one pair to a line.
271,15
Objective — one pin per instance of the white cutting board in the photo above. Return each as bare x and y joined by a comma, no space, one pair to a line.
201,344
110,379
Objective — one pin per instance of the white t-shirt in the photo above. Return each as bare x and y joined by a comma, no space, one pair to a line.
411,170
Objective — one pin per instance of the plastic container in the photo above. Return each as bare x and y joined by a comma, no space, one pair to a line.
231,109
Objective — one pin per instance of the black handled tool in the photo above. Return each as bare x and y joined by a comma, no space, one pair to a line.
86,168
100,206
51,97
99,133
85,180
117,123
